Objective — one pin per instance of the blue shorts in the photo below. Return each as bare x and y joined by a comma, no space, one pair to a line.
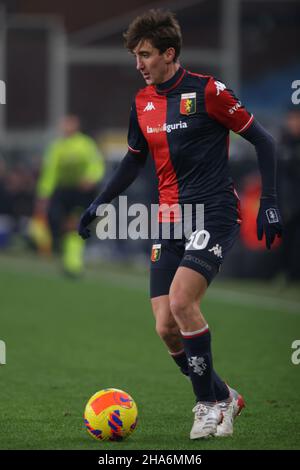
204,251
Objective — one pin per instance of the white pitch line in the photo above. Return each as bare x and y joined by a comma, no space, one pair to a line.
254,300
140,283
244,299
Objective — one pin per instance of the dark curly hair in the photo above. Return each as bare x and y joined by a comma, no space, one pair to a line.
159,27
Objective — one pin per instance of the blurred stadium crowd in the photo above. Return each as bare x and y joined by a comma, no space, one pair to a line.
71,61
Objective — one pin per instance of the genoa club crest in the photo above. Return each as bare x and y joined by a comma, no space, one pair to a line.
188,103
155,254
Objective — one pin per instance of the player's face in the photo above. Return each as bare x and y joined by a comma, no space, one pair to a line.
69,125
155,67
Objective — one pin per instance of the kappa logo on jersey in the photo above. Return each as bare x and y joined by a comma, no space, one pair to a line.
217,250
188,103
149,106
219,87
156,251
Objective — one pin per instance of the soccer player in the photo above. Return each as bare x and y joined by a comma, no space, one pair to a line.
72,169
183,119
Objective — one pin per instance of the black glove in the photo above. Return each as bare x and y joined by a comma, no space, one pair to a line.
268,220
86,219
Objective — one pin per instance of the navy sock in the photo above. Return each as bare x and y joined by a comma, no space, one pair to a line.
220,388
181,361
198,351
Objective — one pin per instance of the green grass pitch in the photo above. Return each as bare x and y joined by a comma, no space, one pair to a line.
67,339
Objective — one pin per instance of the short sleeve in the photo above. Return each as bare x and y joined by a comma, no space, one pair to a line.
223,106
137,143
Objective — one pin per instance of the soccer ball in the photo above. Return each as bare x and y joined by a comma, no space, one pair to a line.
110,415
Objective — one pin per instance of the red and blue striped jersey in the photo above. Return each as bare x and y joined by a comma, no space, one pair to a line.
185,124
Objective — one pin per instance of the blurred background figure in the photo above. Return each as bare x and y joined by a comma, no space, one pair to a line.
71,172
17,186
289,185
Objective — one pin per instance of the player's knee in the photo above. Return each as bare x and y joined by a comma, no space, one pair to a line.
163,331
179,304
166,332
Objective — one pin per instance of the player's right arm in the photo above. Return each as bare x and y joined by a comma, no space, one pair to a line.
124,175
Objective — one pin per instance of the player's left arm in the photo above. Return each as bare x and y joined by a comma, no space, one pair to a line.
268,219
223,106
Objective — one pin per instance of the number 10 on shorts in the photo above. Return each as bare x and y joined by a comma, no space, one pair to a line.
198,240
